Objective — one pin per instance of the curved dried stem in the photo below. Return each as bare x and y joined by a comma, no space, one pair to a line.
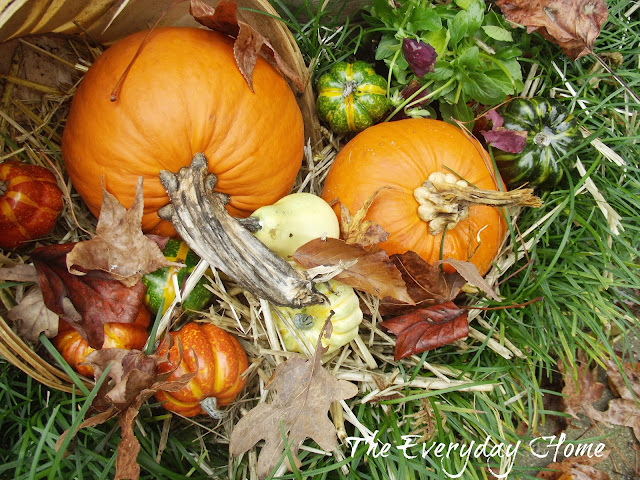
198,214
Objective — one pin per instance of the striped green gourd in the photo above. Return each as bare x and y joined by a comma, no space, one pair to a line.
160,284
552,133
351,97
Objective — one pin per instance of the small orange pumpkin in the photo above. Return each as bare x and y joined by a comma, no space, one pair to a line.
74,348
30,202
218,361
402,155
183,94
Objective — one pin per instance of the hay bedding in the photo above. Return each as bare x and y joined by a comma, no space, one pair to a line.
39,75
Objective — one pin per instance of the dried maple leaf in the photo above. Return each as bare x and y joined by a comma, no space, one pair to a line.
354,229
132,379
576,468
31,317
248,44
427,328
470,273
425,283
118,234
87,302
300,410
579,397
625,410
373,272
574,25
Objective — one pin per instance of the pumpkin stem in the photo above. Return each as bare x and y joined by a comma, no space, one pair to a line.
445,200
200,218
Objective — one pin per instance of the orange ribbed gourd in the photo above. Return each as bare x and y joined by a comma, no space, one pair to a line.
30,202
128,336
401,155
183,94
218,361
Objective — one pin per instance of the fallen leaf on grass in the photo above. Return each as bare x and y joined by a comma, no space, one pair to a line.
574,25
505,139
576,468
373,272
427,328
248,42
624,410
87,302
579,397
19,273
425,284
300,410
132,379
118,235
470,273
354,229
31,317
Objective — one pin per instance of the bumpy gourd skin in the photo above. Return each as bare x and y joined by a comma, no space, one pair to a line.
552,132
218,361
308,322
351,97
30,202
184,94
295,220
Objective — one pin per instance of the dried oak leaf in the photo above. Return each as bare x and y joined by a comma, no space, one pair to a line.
87,302
373,272
354,229
427,328
118,234
132,379
576,468
31,317
300,410
248,42
425,283
574,25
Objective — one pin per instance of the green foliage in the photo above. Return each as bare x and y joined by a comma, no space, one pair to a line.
477,54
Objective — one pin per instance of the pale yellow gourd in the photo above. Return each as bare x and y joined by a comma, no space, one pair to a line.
307,322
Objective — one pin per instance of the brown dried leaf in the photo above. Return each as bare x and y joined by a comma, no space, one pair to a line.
249,43
118,233
87,302
574,25
619,385
426,284
579,397
427,328
132,379
19,273
305,393
31,317
470,273
576,468
373,272
354,229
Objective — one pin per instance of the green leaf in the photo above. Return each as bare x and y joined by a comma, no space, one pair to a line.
389,16
498,33
483,88
387,47
459,111
475,16
425,19
458,27
438,39
442,71
470,58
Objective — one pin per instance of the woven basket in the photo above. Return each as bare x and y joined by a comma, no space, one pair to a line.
103,21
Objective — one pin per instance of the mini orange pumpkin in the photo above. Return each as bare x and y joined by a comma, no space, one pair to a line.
74,348
402,155
216,357
30,202
183,94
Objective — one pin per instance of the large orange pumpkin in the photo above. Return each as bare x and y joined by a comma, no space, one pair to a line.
218,361
402,155
74,348
183,94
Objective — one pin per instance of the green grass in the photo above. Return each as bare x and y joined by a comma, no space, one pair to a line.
581,268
